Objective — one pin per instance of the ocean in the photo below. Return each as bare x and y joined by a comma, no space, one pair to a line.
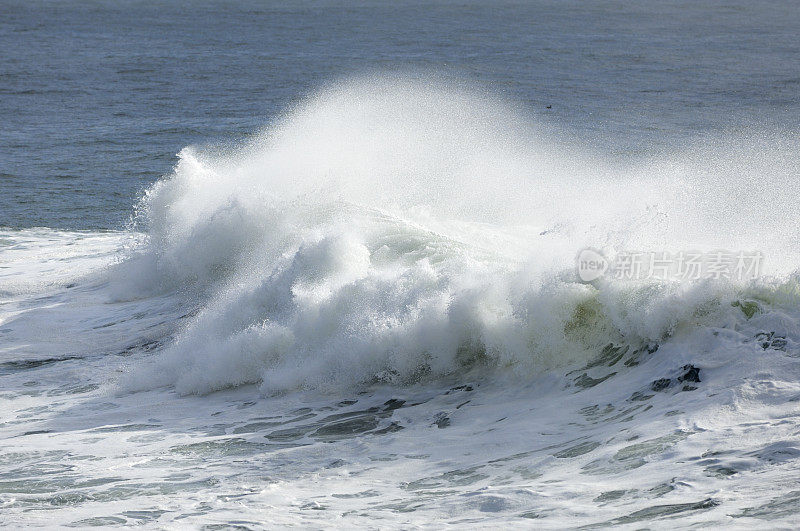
399,265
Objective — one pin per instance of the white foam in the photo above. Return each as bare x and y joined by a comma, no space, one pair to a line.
394,230
306,260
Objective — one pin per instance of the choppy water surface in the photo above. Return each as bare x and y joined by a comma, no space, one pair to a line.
352,299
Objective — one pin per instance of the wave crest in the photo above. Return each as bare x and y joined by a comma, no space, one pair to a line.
391,230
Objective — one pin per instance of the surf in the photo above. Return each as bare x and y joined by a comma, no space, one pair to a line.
395,230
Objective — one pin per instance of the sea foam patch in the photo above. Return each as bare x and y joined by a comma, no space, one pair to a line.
389,229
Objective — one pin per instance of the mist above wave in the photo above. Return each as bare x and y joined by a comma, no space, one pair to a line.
388,229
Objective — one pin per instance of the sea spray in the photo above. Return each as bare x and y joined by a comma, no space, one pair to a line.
390,230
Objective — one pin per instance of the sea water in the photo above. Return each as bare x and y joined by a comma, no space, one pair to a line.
316,264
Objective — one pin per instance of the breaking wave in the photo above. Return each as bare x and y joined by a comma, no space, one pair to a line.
393,230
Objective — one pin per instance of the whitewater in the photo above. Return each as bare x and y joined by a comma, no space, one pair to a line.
370,314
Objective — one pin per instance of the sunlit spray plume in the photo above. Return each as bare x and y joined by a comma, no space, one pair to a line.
392,230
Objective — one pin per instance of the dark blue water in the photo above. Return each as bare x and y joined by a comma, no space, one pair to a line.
97,97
